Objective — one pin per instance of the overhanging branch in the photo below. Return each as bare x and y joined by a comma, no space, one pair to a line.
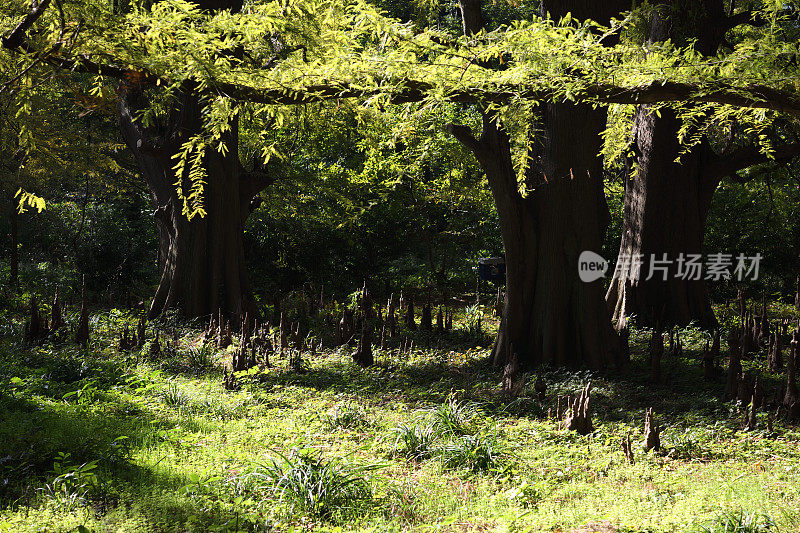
18,34
463,134
257,181
728,166
751,18
751,96
410,90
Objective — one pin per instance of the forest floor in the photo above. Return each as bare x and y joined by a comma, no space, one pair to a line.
97,439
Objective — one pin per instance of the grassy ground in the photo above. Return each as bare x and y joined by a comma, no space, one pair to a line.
98,440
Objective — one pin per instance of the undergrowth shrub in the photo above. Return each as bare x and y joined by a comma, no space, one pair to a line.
453,416
69,370
309,484
446,432
347,415
475,453
688,449
200,358
473,325
71,483
85,395
415,440
174,396
736,521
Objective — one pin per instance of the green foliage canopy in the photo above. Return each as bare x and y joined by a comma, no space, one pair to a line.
276,54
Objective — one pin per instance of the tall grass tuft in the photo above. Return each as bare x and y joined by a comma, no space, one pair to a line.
200,358
453,416
174,396
414,441
71,484
737,521
475,453
326,488
347,415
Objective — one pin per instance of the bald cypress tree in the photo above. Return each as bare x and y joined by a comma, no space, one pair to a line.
550,315
669,194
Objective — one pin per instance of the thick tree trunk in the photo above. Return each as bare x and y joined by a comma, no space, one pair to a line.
550,315
666,204
13,277
201,260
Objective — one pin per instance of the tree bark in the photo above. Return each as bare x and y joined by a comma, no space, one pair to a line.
201,260
666,203
471,16
665,210
13,277
550,315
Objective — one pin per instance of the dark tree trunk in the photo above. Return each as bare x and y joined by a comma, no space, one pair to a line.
471,16
363,355
201,260
82,333
666,204
13,277
550,315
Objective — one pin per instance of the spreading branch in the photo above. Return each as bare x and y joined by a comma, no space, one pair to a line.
463,134
751,96
411,90
257,181
745,17
728,165
18,34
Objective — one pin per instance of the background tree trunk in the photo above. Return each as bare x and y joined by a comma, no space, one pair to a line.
665,210
13,277
666,203
550,315
201,260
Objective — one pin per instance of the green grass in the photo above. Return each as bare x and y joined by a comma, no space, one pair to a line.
422,442
736,522
347,415
315,486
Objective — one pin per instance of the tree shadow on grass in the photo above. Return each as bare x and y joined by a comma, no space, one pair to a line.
412,383
34,435
681,394
38,424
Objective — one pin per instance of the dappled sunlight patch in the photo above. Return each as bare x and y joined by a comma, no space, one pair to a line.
172,446
603,526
